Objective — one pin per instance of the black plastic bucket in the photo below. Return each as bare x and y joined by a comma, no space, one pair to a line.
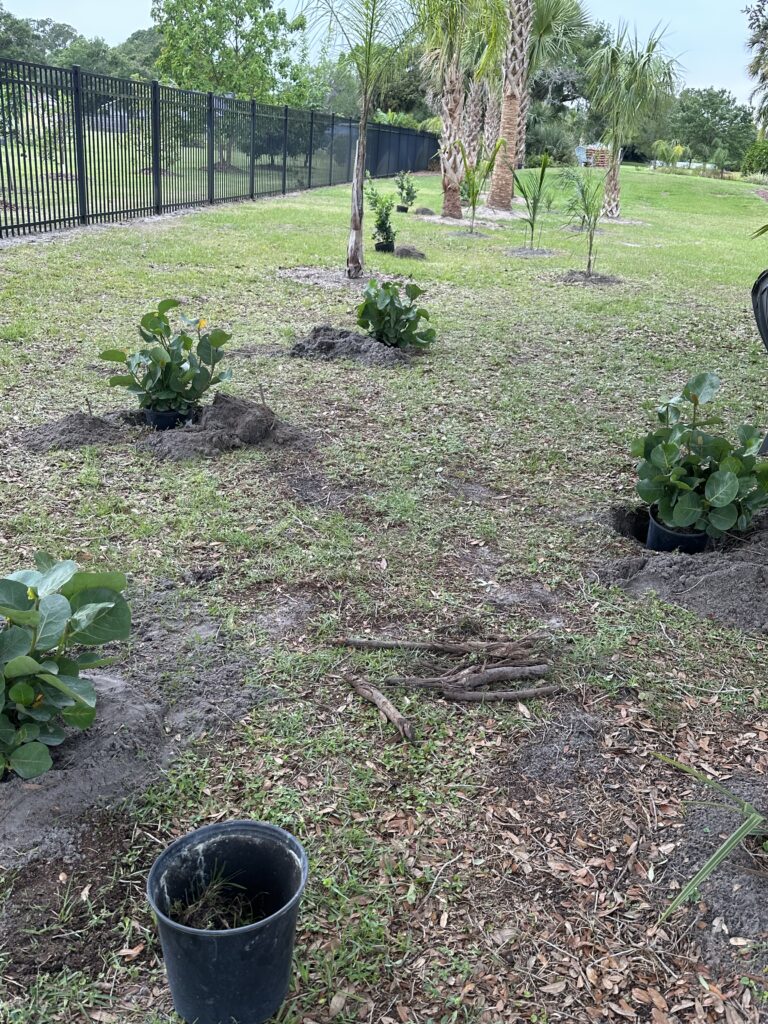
239,975
661,538
165,420
384,246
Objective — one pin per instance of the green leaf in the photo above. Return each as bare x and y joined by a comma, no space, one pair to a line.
26,733
113,355
688,509
56,577
750,438
22,693
14,642
30,760
113,623
166,305
721,488
79,690
79,717
54,616
702,388
44,561
29,618
13,595
51,734
650,491
88,580
29,577
7,731
664,456
121,380
21,666
723,518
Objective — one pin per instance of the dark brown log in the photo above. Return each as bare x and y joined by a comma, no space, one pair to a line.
386,707
482,677
494,649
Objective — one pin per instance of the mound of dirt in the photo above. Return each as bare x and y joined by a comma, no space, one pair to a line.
424,211
328,343
332,277
589,280
182,676
227,424
76,431
409,252
727,585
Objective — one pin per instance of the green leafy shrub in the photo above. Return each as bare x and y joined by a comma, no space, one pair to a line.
382,207
176,370
47,613
406,188
697,479
390,320
756,158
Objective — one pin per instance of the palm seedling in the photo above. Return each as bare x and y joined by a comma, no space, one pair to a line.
585,191
476,175
535,191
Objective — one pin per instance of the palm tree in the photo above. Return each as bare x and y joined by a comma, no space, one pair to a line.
627,81
757,43
555,23
371,31
514,79
449,28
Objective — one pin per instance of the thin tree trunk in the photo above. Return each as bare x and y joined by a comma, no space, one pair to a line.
612,199
492,122
522,131
355,242
452,106
503,180
472,120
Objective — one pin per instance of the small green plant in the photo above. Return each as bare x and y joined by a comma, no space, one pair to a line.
176,370
406,188
382,207
585,192
390,320
753,823
535,191
48,613
696,479
476,177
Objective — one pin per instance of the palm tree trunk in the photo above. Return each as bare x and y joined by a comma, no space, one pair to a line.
503,180
452,107
522,130
492,122
355,242
612,199
472,120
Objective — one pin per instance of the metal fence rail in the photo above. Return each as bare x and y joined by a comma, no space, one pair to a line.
81,148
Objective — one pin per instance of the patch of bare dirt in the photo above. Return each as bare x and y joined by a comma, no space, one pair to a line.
727,584
581,277
182,676
79,429
334,277
312,487
329,343
523,594
523,252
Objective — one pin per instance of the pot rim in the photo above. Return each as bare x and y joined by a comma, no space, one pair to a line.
234,825
670,529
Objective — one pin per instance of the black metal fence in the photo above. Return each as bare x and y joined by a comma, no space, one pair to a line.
81,148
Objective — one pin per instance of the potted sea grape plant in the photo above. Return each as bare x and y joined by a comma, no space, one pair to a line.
406,190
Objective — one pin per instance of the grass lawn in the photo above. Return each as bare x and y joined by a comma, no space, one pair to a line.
468,492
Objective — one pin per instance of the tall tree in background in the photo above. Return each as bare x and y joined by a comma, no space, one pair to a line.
555,24
757,43
627,80
370,30
234,46
514,84
709,119
448,26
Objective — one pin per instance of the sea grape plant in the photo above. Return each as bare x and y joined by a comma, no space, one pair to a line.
390,320
176,369
696,479
46,615
382,206
406,188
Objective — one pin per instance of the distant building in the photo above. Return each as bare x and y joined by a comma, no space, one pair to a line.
595,154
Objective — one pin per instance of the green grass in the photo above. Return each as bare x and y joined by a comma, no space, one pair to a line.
533,389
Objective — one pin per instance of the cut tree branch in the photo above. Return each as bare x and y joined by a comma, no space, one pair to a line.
386,707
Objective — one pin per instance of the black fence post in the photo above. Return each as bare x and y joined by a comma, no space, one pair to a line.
331,151
311,144
285,147
156,150
253,150
349,152
211,150
77,102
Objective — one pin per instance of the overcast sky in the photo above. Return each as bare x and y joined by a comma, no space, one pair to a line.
707,35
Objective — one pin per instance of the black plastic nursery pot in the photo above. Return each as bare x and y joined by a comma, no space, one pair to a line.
165,420
239,975
662,538
384,246
401,209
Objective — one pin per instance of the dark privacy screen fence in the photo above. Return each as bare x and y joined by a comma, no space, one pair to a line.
80,148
